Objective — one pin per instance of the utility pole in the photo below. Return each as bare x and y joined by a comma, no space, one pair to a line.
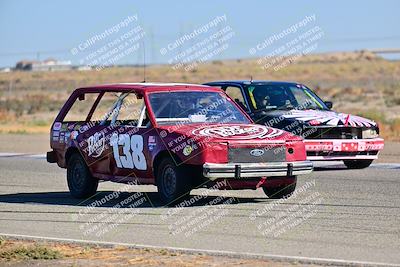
153,53
10,86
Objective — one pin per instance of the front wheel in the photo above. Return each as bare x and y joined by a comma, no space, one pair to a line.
172,182
81,183
283,191
357,164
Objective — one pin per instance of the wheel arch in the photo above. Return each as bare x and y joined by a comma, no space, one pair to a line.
70,151
160,156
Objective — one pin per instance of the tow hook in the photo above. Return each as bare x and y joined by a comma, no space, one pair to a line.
289,169
238,170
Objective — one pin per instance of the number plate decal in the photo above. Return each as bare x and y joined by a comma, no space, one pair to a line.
132,151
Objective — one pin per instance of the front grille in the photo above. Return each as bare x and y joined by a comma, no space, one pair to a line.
244,155
333,133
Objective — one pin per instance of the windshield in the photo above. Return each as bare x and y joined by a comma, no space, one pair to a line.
194,107
284,97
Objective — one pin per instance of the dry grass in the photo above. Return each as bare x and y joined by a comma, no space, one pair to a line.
26,251
21,253
357,82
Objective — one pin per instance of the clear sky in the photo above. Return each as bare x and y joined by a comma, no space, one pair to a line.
53,28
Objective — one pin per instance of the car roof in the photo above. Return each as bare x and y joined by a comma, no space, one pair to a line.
148,87
248,82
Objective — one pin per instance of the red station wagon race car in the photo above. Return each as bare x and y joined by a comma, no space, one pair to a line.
175,136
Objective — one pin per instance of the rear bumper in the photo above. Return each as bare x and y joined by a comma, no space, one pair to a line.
51,157
343,149
214,171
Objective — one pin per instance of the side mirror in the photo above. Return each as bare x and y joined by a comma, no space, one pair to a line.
329,104
81,97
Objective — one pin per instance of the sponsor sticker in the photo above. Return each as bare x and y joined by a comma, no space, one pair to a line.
151,142
96,144
67,135
61,138
362,146
187,150
56,134
57,126
337,146
238,132
74,135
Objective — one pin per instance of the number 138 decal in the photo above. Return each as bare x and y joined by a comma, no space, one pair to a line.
132,149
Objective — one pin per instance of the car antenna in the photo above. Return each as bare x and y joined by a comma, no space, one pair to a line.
251,78
144,63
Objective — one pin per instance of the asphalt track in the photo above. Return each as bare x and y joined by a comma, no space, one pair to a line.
338,215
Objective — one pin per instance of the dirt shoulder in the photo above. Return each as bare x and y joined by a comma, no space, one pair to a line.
390,154
24,143
35,253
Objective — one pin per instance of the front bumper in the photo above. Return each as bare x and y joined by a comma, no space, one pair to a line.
343,149
214,171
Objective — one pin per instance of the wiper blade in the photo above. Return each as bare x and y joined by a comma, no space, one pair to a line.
286,108
312,108
267,109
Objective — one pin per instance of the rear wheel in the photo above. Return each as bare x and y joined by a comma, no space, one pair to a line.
81,183
172,182
357,164
283,191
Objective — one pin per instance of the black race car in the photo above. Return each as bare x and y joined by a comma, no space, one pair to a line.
293,107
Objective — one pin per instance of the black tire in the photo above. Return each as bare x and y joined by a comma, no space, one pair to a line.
357,164
81,183
280,191
173,182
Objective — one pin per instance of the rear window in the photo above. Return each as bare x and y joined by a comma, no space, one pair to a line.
80,109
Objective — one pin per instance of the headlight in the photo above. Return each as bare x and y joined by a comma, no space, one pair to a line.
369,133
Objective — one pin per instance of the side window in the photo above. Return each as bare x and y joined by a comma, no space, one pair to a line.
130,111
104,107
119,108
81,107
236,94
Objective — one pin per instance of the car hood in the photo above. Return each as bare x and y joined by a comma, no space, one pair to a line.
324,118
246,133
